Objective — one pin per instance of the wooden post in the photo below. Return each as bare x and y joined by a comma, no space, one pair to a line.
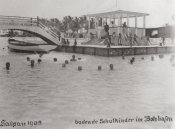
31,21
37,21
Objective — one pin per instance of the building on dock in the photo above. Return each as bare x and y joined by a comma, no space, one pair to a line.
115,21
166,31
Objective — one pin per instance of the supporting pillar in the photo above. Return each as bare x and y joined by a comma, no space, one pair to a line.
95,20
118,21
109,20
128,20
89,22
102,21
106,20
136,25
128,24
96,26
144,25
121,21
119,25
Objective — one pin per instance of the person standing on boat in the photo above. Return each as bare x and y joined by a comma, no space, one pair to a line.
124,25
67,42
114,38
59,36
120,39
64,42
148,40
163,40
106,28
75,45
75,42
130,39
135,39
124,29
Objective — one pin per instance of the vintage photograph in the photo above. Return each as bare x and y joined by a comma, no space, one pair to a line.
87,64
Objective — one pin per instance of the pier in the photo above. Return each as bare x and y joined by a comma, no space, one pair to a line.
96,28
123,39
31,25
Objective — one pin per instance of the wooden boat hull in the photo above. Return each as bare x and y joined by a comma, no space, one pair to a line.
20,46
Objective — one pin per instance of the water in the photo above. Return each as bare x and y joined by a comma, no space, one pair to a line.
58,96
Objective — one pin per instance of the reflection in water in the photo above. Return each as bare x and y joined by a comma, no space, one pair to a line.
59,96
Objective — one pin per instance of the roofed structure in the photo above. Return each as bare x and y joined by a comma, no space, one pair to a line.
118,13
114,19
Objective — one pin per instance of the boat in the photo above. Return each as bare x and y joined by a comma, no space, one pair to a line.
28,47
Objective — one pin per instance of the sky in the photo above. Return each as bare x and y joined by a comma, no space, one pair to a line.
160,11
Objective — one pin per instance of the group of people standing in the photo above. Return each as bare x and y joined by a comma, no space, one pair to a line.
132,39
66,42
120,39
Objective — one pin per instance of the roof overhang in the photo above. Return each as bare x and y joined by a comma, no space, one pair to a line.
117,14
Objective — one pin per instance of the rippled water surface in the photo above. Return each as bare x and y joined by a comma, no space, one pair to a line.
58,96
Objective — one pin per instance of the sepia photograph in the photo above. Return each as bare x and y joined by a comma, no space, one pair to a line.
87,64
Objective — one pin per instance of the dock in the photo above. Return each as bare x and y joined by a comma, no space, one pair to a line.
116,50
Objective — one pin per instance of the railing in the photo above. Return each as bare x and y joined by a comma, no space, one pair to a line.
26,21
119,29
14,20
47,29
